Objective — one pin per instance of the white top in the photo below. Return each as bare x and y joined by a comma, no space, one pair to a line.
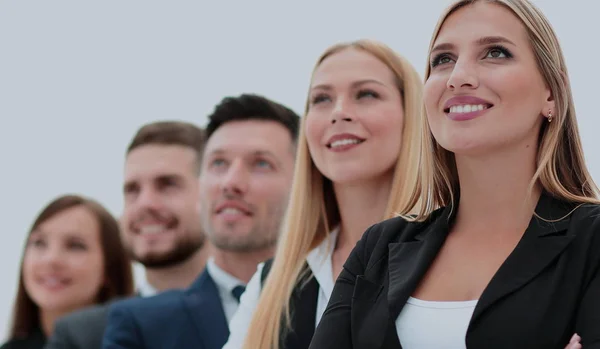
145,289
434,325
319,262
225,284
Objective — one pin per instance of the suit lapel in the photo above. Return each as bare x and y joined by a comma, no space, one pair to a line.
203,304
541,243
376,305
409,260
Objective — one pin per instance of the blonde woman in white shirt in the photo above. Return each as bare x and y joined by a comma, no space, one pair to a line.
356,164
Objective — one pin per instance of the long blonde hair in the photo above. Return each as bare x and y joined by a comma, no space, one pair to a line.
312,212
561,168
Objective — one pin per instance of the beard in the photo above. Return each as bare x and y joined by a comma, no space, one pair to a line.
183,250
263,234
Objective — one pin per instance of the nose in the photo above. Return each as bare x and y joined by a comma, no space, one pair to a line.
235,180
342,111
148,199
464,75
53,255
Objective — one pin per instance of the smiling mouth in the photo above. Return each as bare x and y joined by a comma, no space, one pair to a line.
467,108
343,142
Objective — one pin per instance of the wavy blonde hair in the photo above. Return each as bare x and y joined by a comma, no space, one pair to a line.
561,168
313,212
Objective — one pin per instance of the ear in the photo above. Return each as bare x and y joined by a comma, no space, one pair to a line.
549,107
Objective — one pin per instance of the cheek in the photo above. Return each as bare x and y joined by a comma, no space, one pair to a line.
432,92
386,125
314,130
89,268
29,266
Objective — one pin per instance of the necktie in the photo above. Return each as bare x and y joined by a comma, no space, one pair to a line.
237,292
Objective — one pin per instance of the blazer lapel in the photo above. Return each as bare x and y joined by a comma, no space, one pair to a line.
409,260
377,301
542,242
203,304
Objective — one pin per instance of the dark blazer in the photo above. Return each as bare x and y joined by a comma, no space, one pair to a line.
82,329
546,290
191,318
35,340
303,311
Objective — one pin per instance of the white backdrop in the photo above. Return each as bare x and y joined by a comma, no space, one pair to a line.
78,78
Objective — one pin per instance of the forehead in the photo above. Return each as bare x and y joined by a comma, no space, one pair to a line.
249,137
155,159
76,219
351,65
482,19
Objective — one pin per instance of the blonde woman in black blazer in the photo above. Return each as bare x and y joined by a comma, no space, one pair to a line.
505,249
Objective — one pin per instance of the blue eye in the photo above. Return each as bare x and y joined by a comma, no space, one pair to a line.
263,164
319,98
367,93
441,58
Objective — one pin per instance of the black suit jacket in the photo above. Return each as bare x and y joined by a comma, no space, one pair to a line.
82,329
35,340
547,289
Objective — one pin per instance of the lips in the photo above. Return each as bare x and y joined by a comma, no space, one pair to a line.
233,208
53,282
466,104
153,226
343,139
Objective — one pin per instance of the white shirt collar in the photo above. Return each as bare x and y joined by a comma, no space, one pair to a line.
223,279
145,289
319,262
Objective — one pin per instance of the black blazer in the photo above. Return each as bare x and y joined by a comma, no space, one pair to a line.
35,340
547,289
303,310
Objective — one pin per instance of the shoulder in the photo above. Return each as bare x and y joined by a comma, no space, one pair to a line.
84,317
397,229
30,342
161,299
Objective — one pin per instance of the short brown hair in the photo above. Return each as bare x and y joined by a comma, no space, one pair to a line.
171,133
117,265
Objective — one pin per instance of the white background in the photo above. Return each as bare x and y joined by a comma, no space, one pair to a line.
78,78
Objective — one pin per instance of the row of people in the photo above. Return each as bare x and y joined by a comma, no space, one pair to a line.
495,241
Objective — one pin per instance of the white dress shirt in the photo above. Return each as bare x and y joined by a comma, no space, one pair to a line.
319,262
145,289
432,325
225,284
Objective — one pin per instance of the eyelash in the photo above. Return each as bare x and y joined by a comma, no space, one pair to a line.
436,59
362,93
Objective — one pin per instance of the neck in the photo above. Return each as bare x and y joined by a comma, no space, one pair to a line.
47,320
181,275
494,191
360,206
242,265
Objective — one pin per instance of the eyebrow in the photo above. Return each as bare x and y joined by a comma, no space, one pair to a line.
354,84
255,153
486,40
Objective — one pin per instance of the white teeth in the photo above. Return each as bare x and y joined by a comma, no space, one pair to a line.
52,282
341,142
152,229
231,210
467,108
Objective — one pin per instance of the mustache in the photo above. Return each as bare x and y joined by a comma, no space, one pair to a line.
154,215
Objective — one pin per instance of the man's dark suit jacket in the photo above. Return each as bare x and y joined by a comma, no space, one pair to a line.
547,289
178,319
82,329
